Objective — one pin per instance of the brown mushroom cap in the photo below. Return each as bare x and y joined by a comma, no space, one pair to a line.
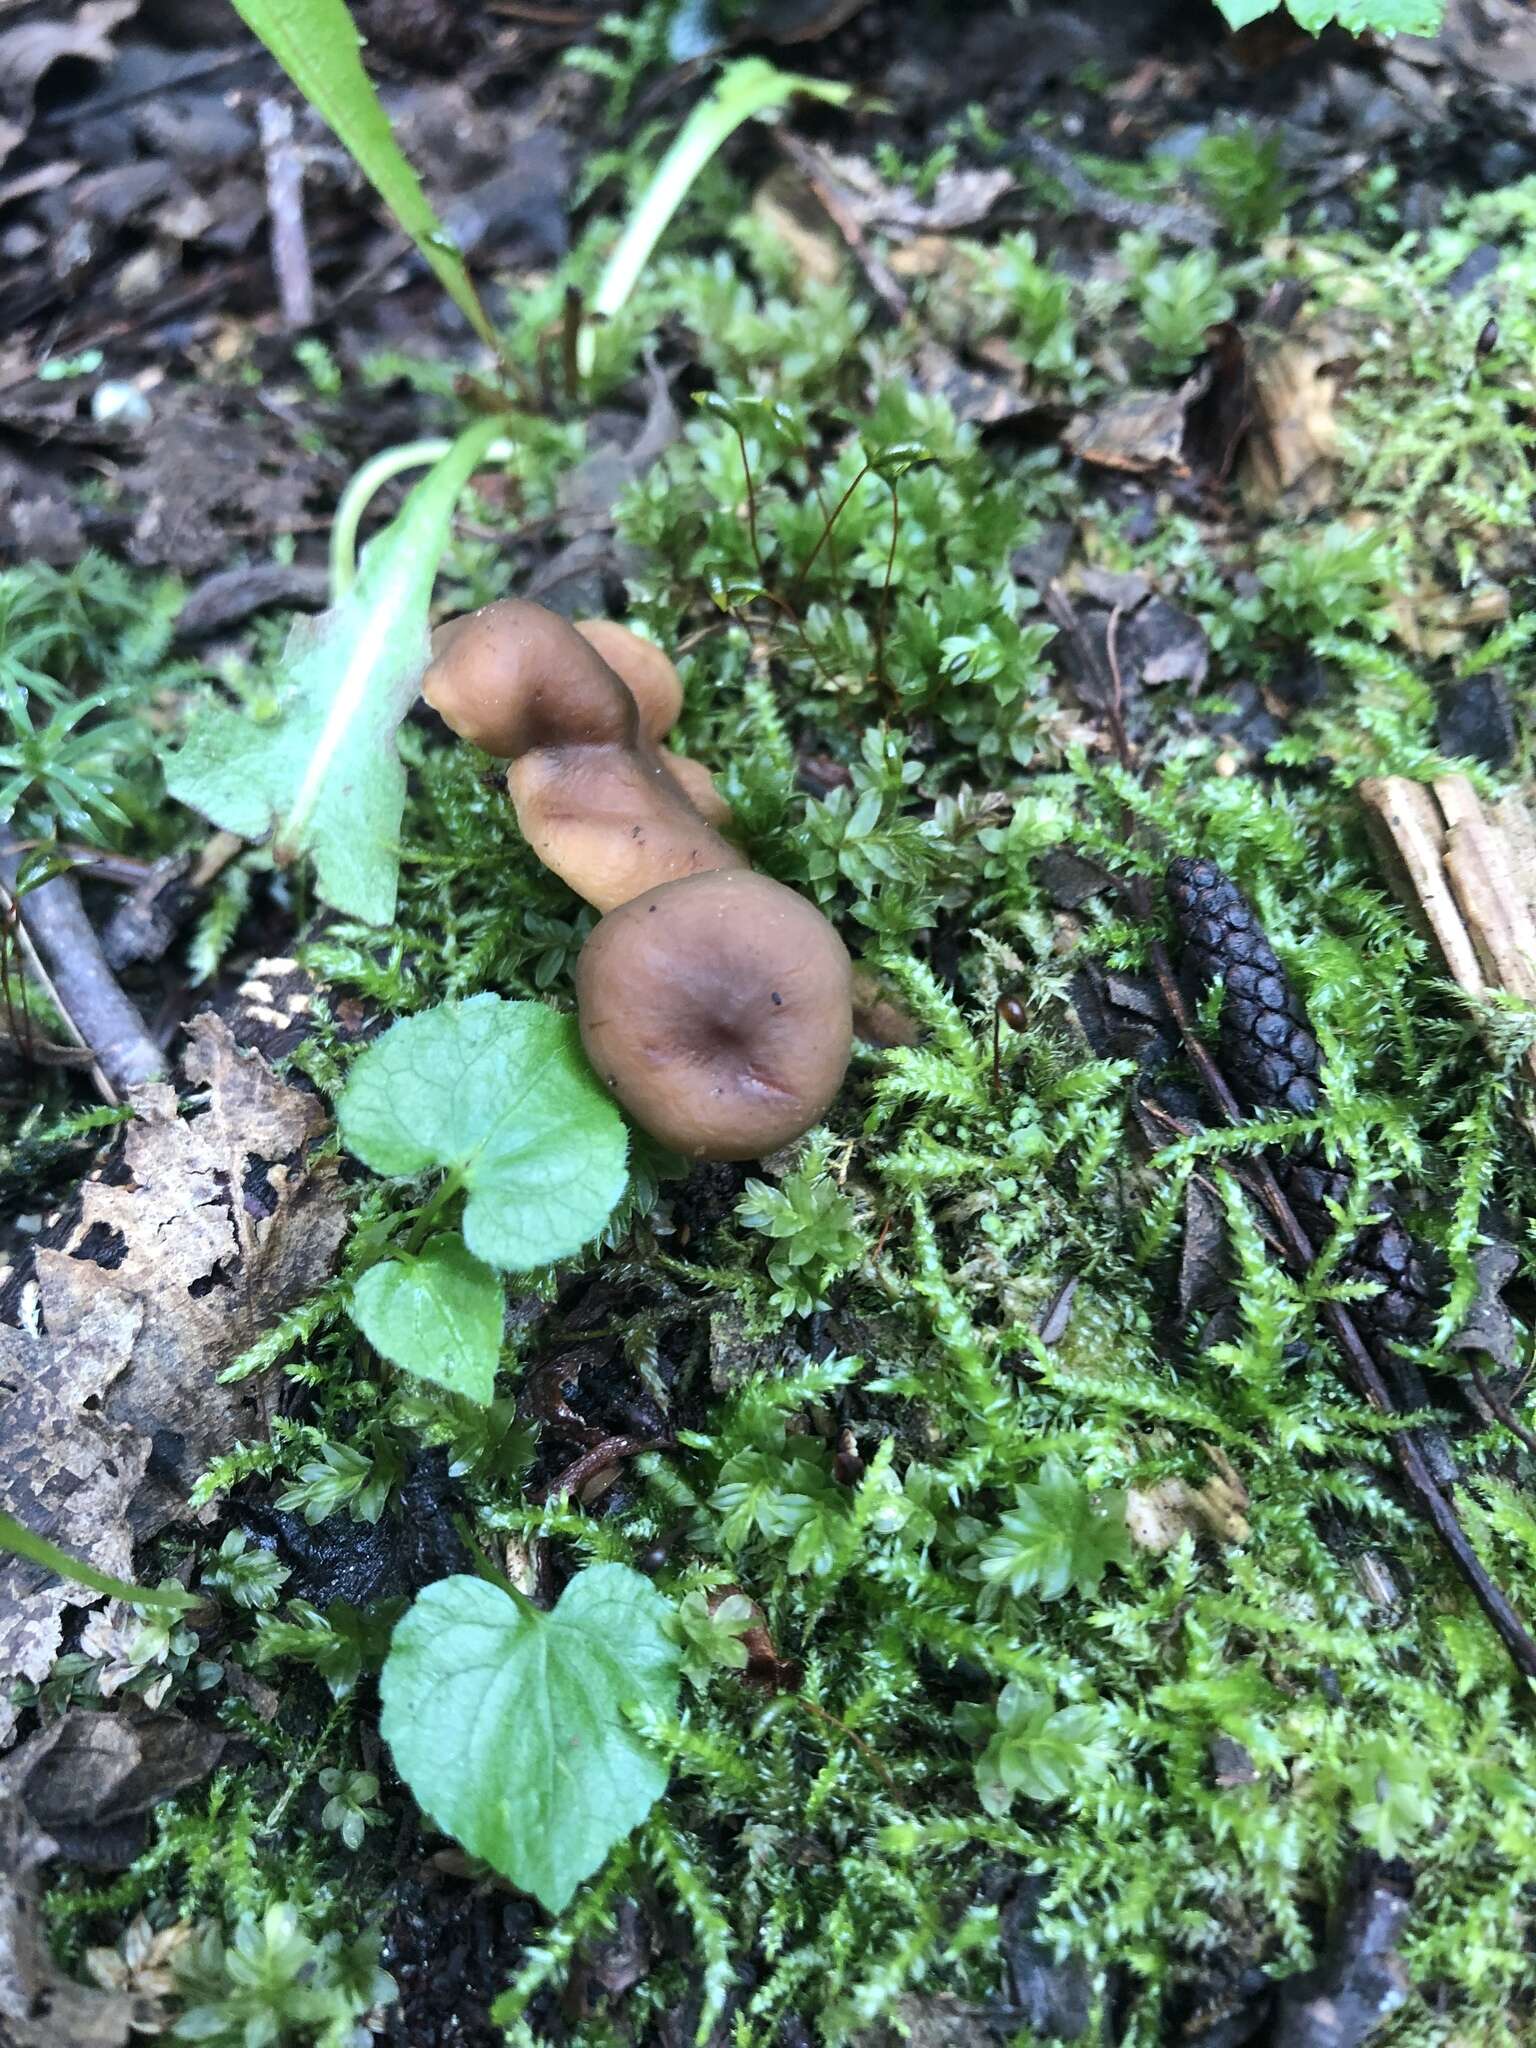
513,676
596,799
643,669
718,1010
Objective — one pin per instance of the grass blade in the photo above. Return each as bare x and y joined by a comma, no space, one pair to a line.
317,44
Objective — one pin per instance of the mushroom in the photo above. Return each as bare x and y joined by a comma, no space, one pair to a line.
471,654
714,1003
718,1011
596,798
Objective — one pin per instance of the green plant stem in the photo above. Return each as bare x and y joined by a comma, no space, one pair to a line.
300,1772
431,1211
745,89
21,1541
365,486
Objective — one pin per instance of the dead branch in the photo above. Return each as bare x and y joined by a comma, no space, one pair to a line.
89,999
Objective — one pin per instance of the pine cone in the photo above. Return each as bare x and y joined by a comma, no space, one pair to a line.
1266,1050
1269,1056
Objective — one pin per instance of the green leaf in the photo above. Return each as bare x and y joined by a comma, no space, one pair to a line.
438,1313
317,44
746,89
1385,17
324,774
499,1094
1058,1535
511,1726
1393,1794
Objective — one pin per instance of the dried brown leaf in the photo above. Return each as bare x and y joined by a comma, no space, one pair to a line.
110,1403
1142,432
783,205
33,47
1488,1330
92,1770
1203,1253
1291,452
39,2006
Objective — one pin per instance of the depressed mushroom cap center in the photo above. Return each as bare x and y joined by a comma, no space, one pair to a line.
719,1010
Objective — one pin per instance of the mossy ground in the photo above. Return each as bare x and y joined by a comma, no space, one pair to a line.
876,1444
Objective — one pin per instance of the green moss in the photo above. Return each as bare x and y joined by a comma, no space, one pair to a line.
974,1682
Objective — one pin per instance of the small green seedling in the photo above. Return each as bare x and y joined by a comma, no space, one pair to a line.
750,88
1058,1535
1039,1751
1179,299
498,1097
513,1728
1244,179
745,90
323,775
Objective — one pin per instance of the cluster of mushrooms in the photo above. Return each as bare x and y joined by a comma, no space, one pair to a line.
715,1004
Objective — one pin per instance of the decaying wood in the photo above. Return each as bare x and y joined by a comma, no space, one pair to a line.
1467,870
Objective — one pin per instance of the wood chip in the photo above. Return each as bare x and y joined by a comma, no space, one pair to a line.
1467,870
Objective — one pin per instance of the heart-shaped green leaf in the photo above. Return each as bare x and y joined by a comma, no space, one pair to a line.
500,1095
511,1727
438,1313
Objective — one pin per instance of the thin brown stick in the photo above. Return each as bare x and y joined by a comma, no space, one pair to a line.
828,523
1192,226
122,870
885,589
814,171
746,471
285,214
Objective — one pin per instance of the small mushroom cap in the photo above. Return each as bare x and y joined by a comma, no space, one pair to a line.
489,664
719,1011
612,821
643,669
513,676
596,799
698,785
